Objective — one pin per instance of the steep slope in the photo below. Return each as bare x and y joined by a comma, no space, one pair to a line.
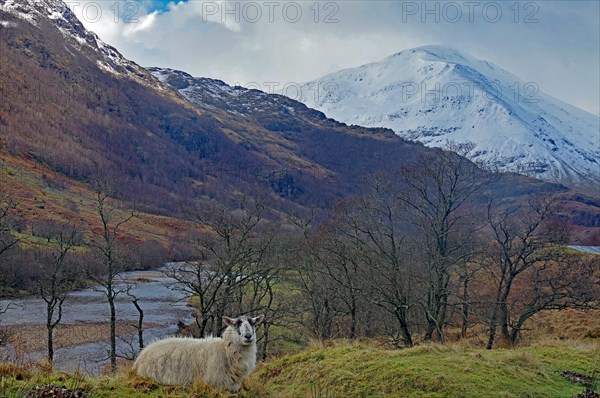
300,126
434,93
62,108
43,195
332,150
39,12
76,106
164,144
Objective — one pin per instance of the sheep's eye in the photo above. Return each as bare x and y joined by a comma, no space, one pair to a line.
238,322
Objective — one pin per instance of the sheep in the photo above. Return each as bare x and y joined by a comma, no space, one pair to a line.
221,362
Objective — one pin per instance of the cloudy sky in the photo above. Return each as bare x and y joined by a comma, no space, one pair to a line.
555,44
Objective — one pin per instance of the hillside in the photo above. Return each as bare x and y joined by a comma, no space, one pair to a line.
361,370
45,195
278,113
435,93
74,107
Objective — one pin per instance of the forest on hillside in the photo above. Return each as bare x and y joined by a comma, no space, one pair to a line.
417,256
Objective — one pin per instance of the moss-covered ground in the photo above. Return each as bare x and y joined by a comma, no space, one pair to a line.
343,369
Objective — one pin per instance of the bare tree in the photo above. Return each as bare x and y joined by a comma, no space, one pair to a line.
528,266
55,279
135,300
262,291
130,351
231,250
319,301
355,263
435,191
389,275
105,243
467,272
7,239
338,248
565,281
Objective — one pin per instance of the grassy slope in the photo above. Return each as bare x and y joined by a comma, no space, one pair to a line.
366,371
429,372
59,198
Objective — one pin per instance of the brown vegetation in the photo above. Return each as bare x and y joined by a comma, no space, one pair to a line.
33,337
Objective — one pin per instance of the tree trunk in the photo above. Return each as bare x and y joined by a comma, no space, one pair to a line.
429,328
494,318
504,310
368,325
50,344
404,330
113,334
326,324
441,319
515,331
491,334
50,329
465,308
222,307
265,346
504,329
140,325
435,311
266,324
353,319
202,326
493,326
430,324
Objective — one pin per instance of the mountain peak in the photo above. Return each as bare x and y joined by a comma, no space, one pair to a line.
32,10
48,14
436,93
436,51
444,54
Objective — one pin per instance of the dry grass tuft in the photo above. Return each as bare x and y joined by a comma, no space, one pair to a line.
568,324
33,338
44,366
592,333
136,382
14,371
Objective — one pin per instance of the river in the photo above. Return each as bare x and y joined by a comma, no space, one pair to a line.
163,307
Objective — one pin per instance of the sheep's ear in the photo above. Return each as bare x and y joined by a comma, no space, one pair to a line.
258,319
229,321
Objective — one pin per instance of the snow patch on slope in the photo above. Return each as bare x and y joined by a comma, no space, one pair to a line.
57,13
433,94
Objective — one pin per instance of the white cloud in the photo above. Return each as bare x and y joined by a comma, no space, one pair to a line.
225,13
145,23
243,42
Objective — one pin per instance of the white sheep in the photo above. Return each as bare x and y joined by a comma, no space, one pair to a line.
221,362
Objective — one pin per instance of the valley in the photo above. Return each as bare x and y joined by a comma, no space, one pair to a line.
426,226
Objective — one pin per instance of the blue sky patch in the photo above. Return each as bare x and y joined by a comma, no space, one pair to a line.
158,5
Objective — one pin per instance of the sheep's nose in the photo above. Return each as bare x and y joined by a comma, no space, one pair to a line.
247,336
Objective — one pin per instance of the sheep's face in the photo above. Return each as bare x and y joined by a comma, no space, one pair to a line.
245,328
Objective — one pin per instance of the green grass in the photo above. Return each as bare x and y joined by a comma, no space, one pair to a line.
122,385
434,371
361,370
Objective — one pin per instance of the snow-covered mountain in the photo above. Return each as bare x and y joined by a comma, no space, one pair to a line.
433,94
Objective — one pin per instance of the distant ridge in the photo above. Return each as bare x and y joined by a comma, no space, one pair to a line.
433,94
